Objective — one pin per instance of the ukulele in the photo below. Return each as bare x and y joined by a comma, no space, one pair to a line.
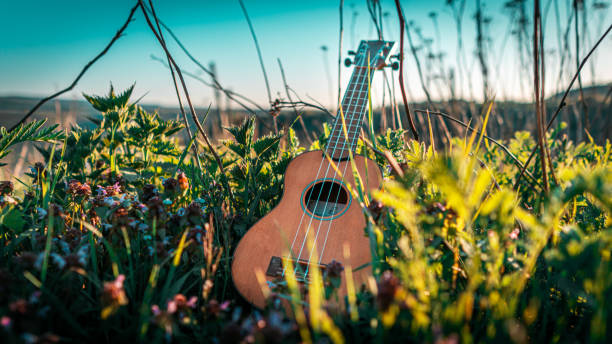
316,204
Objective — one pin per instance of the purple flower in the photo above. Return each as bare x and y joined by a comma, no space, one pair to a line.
5,321
101,191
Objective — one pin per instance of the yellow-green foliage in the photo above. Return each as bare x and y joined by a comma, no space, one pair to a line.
113,238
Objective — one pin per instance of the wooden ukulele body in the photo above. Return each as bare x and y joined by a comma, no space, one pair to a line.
285,228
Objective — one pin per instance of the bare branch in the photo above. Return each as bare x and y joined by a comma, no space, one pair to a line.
184,86
89,64
562,102
516,161
415,134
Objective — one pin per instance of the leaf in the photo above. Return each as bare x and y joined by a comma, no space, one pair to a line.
14,220
243,133
267,146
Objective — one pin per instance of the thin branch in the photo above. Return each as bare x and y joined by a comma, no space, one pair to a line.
263,68
536,83
282,70
215,86
516,161
230,94
89,64
178,95
184,86
283,104
562,102
415,134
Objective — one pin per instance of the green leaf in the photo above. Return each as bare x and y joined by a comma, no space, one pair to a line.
14,220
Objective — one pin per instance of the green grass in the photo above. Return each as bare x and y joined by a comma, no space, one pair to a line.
119,235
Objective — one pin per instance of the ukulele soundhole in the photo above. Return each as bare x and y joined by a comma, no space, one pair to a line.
325,199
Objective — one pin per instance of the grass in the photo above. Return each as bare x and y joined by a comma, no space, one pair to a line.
121,234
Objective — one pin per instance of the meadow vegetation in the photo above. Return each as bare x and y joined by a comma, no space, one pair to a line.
123,233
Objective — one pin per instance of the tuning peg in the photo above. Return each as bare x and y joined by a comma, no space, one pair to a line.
348,62
394,65
351,52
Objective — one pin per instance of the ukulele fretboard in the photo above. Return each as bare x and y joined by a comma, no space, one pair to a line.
354,105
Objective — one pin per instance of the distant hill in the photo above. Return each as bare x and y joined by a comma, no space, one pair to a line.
507,118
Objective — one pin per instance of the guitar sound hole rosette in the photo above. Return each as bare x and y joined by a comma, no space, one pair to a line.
325,199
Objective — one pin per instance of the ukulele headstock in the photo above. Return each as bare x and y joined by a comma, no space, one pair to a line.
374,54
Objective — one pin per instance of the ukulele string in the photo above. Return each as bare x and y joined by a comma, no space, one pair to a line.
353,144
356,119
312,193
358,76
357,109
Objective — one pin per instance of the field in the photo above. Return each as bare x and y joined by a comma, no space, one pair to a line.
493,223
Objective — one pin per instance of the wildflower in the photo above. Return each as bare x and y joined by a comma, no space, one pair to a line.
6,187
162,319
156,208
19,307
6,199
179,303
6,322
114,189
171,185
178,307
436,207
73,236
376,208
387,288
180,212
77,188
167,201
214,307
334,269
113,296
183,181
38,172
121,216
197,233
194,213
109,201
148,191
101,190
93,217
514,234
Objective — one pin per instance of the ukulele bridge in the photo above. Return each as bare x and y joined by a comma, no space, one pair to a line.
301,266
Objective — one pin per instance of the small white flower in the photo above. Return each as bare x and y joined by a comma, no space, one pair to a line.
167,202
181,212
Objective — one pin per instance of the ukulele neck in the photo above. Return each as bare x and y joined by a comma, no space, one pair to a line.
354,104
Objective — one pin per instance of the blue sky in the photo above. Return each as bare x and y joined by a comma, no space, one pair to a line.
44,44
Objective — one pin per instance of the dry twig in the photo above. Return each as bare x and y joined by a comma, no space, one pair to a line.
85,68
562,102
415,134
